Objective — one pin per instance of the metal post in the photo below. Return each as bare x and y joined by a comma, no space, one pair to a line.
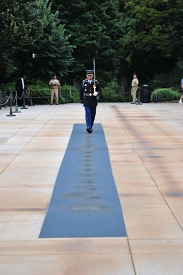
59,96
5,96
24,101
31,102
16,107
139,103
10,99
156,98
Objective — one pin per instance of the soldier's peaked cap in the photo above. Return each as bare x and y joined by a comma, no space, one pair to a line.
89,71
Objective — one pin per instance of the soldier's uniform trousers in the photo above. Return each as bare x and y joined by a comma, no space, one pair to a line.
54,92
133,93
90,113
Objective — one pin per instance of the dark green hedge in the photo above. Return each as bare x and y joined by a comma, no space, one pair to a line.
165,94
67,94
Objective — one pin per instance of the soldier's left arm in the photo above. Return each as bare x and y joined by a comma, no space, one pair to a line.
136,83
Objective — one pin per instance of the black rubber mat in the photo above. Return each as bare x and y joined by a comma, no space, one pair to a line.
84,202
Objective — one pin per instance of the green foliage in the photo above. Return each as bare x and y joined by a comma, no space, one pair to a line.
95,29
112,93
54,53
153,42
165,94
169,80
40,85
123,37
23,22
70,94
62,100
112,86
39,96
111,97
9,86
32,27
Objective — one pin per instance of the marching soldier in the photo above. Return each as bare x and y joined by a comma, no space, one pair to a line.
89,91
181,98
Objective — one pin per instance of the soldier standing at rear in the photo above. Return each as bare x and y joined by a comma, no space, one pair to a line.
54,84
134,86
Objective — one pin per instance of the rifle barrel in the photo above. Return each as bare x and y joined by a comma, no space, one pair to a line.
94,74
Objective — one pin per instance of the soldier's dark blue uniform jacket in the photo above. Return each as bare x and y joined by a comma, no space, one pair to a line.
86,93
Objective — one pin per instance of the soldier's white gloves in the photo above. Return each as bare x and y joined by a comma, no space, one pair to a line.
95,93
82,105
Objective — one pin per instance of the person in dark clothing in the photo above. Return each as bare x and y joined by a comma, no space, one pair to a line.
20,88
181,98
89,92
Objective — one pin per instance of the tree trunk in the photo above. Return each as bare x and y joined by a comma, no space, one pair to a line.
124,78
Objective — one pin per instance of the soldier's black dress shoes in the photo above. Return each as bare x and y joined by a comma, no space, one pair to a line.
89,130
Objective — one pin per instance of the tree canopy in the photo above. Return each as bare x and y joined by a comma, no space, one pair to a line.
154,40
95,31
32,28
122,35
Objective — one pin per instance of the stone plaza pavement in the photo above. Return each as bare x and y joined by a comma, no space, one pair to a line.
145,145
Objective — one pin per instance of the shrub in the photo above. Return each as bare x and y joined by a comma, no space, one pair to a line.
165,94
112,93
70,94
67,94
39,96
62,100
